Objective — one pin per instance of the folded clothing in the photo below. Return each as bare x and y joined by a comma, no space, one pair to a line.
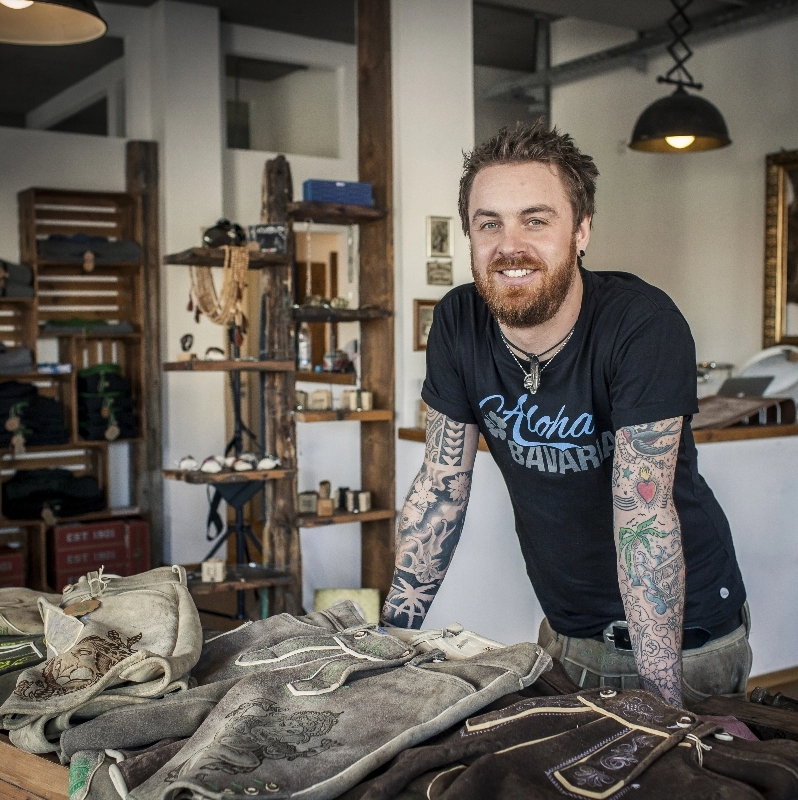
94,403
19,274
15,359
71,249
23,412
78,325
30,491
102,379
12,289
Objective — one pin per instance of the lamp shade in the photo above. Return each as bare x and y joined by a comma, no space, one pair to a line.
688,121
51,22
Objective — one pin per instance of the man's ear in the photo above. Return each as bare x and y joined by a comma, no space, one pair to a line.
582,235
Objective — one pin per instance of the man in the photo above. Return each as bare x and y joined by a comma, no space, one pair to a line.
583,385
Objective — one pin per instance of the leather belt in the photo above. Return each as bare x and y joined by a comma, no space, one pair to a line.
693,637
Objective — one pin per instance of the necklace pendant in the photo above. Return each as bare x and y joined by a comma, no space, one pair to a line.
532,379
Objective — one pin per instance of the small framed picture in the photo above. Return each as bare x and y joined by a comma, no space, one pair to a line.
422,322
439,237
439,273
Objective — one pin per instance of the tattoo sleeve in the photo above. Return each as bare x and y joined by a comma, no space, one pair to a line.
431,520
649,546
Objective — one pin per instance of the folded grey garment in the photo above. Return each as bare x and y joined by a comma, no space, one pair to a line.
110,641
454,641
147,722
12,289
16,359
219,657
132,769
17,273
317,736
19,611
179,716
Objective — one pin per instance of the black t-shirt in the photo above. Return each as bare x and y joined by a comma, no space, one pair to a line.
631,360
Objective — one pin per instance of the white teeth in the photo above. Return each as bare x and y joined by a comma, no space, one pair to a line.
516,273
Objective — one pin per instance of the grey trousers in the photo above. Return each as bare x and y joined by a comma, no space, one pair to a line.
719,667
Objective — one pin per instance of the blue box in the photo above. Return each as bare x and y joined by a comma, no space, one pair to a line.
347,192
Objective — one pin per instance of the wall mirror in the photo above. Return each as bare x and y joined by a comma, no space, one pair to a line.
781,249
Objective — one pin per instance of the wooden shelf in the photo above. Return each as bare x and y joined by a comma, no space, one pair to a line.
334,213
238,579
202,365
341,517
56,448
376,415
49,262
88,335
109,513
214,257
342,378
742,432
197,476
13,376
25,301
329,314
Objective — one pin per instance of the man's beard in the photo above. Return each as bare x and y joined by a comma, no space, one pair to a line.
525,306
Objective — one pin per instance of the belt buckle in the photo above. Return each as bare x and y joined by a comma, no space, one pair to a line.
616,635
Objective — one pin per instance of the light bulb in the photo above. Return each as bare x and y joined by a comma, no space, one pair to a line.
679,142
17,4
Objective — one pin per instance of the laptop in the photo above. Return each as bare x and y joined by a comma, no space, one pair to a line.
745,387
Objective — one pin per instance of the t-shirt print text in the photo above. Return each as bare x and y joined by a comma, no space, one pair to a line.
535,439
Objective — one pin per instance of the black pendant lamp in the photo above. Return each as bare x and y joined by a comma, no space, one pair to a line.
50,22
681,122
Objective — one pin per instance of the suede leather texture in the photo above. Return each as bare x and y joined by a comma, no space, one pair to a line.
19,611
140,641
586,745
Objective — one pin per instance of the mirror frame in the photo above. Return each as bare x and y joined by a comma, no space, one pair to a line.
777,165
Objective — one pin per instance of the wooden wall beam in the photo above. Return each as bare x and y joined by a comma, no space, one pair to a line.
147,488
375,164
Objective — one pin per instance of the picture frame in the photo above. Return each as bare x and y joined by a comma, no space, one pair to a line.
422,321
440,273
780,318
439,237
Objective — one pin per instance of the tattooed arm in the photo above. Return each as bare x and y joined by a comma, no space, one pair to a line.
650,560
432,520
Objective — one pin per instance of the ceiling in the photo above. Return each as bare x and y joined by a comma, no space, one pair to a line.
504,36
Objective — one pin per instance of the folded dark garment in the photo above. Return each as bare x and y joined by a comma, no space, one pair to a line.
88,326
102,379
97,433
92,403
71,249
121,417
16,273
28,492
14,391
17,290
16,359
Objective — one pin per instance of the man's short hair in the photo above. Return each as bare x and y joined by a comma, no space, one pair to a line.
534,143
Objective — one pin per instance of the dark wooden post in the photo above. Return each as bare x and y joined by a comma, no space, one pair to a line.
147,485
375,158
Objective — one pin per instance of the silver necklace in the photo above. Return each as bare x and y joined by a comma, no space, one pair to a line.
532,378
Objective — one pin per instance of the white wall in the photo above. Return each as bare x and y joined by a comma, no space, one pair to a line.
433,123
690,223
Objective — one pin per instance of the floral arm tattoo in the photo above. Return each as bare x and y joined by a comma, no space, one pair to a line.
649,545
432,520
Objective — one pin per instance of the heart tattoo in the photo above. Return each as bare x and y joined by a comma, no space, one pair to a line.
646,488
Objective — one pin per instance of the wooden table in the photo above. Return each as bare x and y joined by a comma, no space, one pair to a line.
24,776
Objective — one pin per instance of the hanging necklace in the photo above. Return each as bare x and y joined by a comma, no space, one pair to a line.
532,378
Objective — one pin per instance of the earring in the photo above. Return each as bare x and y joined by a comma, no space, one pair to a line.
579,258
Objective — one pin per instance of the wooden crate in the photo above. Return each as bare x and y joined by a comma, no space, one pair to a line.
80,459
18,323
58,387
31,536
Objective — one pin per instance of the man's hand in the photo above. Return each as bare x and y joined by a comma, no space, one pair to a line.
649,546
432,520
